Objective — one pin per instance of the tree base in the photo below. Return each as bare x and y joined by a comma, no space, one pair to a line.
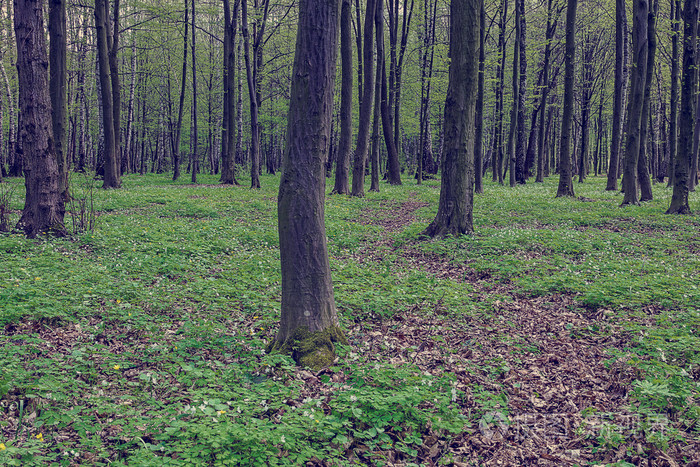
315,350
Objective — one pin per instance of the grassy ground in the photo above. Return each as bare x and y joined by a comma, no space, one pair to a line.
563,332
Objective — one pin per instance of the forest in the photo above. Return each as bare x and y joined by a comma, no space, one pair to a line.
333,232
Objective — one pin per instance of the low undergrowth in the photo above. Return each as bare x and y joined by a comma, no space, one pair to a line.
141,340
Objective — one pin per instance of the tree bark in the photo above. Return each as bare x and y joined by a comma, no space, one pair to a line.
454,216
566,186
309,323
57,88
361,150
194,158
43,208
635,102
679,200
254,125
643,161
617,118
342,168
479,123
111,166
181,104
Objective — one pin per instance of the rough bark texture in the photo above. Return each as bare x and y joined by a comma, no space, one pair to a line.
454,216
111,165
342,168
194,158
620,22
57,88
679,200
361,149
566,186
309,324
43,208
635,101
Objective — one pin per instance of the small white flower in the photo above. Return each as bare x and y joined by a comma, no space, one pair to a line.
283,439
454,394
353,398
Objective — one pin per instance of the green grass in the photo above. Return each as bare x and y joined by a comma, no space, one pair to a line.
141,342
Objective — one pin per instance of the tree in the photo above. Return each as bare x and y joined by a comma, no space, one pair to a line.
681,165
479,124
566,186
178,125
643,163
343,159
635,102
309,323
194,158
394,172
454,216
43,207
620,31
112,177
57,88
362,146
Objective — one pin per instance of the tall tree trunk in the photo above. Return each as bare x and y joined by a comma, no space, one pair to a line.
228,157
57,88
358,170
194,158
566,186
454,216
181,103
43,208
479,123
111,166
617,117
497,161
675,53
374,139
586,98
520,175
342,168
394,172
635,101
679,200
643,161
254,125
309,323
513,134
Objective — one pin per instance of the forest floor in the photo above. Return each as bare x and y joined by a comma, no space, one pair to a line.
562,332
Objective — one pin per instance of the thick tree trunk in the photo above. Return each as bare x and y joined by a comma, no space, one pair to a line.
57,88
673,123
342,168
309,323
679,200
617,117
566,186
454,216
635,101
43,208
365,118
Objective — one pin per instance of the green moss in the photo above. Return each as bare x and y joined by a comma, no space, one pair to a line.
315,350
